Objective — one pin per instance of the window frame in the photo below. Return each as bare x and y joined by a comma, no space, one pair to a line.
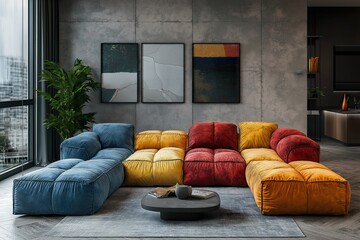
29,102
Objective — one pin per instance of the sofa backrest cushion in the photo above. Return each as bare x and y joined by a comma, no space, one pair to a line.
213,135
147,140
255,134
83,146
156,139
201,135
173,138
281,133
115,135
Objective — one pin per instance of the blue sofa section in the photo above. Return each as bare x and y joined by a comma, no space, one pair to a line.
90,171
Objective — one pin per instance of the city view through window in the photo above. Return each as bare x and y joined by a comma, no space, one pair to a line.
14,83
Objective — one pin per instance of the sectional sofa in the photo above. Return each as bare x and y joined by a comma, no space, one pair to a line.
279,165
90,171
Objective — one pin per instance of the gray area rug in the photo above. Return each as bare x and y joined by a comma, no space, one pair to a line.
122,216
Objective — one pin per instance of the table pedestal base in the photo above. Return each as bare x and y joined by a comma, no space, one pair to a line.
180,216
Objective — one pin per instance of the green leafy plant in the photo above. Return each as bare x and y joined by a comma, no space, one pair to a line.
70,97
315,92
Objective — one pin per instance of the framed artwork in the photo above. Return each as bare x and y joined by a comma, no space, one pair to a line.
216,73
162,73
119,72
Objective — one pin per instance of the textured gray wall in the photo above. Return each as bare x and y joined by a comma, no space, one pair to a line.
272,34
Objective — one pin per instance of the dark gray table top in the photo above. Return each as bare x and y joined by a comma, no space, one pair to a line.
173,204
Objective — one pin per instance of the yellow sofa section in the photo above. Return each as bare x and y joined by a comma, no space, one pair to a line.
277,187
158,159
139,168
260,154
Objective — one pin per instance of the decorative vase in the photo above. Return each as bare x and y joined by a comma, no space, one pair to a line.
344,106
183,191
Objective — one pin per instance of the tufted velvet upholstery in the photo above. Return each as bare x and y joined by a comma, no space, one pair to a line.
282,133
255,134
219,167
212,157
68,187
292,145
158,160
297,188
82,146
75,186
213,135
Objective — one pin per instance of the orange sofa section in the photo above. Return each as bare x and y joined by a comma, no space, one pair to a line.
297,188
278,188
328,192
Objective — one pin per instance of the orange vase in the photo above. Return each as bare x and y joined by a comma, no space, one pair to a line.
344,106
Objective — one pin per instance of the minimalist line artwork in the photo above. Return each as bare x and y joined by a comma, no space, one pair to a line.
162,73
119,72
216,73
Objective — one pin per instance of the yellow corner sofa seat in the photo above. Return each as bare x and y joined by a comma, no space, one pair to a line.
157,160
260,154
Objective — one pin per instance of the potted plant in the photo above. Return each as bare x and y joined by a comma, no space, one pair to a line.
71,88
315,92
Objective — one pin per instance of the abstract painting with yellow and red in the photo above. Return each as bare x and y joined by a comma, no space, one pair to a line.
216,73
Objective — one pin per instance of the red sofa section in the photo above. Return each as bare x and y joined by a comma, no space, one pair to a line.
212,157
293,145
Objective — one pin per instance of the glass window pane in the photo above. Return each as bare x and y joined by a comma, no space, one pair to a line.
14,127
14,82
13,50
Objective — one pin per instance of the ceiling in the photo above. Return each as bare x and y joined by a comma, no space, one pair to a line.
334,3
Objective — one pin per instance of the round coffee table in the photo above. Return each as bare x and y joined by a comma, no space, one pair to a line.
172,208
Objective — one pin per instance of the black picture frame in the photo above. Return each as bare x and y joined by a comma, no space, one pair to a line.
216,72
119,61
163,78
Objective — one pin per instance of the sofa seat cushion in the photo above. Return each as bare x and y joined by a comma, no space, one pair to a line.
67,187
260,154
255,134
328,192
277,187
112,168
301,187
152,167
113,153
219,167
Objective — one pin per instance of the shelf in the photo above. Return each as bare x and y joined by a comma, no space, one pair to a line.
313,112
314,36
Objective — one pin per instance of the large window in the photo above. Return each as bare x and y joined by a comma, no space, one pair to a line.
15,95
